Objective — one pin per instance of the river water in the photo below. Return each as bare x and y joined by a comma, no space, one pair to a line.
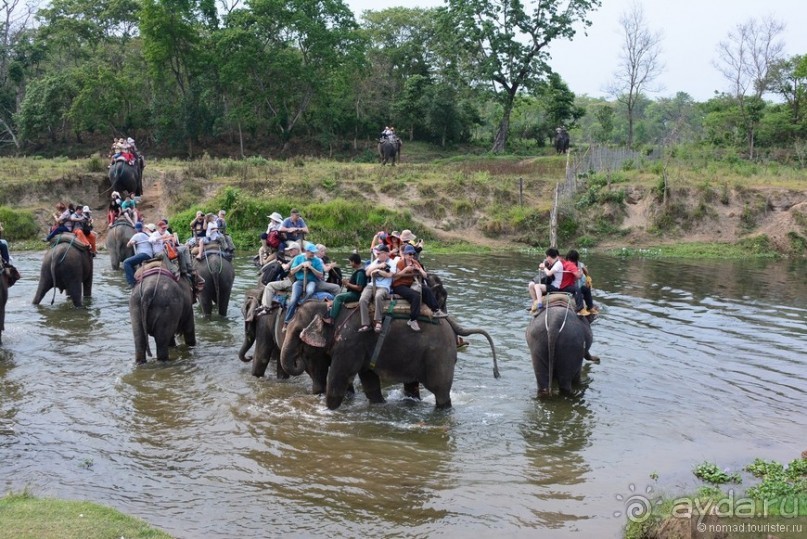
701,360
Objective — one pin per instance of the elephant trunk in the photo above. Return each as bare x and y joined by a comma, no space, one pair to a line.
464,332
291,355
249,340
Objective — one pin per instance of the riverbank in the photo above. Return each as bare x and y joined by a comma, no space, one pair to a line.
24,516
458,204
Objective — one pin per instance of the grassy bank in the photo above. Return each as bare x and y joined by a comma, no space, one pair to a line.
23,516
762,493
458,203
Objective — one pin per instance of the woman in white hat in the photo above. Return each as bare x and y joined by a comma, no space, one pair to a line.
275,220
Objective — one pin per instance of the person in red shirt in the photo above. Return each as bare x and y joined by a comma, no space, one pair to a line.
571,275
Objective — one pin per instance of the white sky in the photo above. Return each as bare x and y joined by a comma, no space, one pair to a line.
691,30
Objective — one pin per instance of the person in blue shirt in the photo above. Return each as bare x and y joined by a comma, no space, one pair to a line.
293,227
306,270
379,286
144,250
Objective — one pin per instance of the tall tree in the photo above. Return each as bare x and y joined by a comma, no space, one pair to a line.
746,59
506,42
789,79
639,62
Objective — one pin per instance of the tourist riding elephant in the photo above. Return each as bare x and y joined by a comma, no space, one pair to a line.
67,265
561,140
390,150
160,306
559,340
219,275
125,177
262,331
427,356
120,232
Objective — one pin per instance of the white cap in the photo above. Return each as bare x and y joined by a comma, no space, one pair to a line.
130,140
85,209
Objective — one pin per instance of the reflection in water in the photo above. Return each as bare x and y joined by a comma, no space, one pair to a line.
556,432
701,359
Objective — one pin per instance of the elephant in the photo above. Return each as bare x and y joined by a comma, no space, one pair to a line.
561,140
427,357
390,150
68,265
120,232
262,331
559,341
126,177
161,305
218,273
8,276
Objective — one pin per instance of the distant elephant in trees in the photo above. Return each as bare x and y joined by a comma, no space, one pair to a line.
8,276
126,177
561,140
218,273
262,331
67,265
559,340
390,150
120,232
160,306
427,357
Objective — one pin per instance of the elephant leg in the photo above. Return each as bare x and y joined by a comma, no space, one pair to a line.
442,394
260,361
162,347
140,340
172,342
74,291
188,329
372,386
412,390
87,286
224,300
206,301
335,391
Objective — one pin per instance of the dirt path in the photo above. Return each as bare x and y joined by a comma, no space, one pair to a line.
153,204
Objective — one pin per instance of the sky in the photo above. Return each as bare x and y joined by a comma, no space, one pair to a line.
691,31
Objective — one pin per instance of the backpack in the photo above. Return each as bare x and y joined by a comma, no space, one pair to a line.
273,272
273,240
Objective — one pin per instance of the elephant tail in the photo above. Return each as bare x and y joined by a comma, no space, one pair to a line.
464,332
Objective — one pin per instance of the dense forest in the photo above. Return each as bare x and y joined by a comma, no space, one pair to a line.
276,75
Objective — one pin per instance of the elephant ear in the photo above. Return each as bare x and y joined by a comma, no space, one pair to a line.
314,333
249,308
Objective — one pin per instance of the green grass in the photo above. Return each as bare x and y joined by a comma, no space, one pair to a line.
26,517
758,247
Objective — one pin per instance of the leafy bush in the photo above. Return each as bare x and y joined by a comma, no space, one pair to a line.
710,473
18,224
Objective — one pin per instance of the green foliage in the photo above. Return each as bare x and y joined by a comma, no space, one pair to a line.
778,481
18,224
710,473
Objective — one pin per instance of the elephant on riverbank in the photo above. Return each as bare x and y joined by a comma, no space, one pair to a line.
427,357
161,306
120,232
559,341
67,265
125,177
390,151
219,275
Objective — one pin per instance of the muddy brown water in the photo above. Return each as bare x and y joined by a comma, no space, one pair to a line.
701,361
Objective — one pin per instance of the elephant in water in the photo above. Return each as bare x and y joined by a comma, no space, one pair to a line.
427,357
390,151
126,177
559,340
68,265
120,232
8,276
219,275
161,306
262,331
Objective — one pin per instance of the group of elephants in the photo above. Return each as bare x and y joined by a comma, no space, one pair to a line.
161,306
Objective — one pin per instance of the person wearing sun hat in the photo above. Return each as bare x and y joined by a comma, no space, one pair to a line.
407,238
407,273
280,281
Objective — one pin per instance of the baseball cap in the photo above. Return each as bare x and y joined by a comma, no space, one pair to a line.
311,248
382,248
292,245
138,226
85,209
409,250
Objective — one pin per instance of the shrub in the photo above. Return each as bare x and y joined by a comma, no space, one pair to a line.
18,224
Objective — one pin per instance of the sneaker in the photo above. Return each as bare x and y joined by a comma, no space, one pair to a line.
439,314
583,312
594,310
536,306
260,311
414,325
